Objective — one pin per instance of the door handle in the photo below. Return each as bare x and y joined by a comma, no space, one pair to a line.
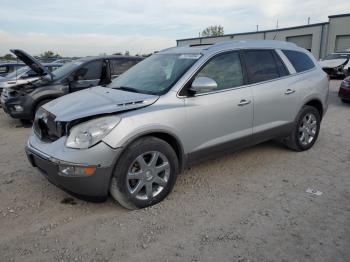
244,102
289,91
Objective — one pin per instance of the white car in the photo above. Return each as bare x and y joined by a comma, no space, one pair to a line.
336,64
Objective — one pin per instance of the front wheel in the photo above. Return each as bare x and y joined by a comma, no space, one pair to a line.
145,173
305,131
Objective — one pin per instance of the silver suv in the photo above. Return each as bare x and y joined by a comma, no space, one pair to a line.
179,106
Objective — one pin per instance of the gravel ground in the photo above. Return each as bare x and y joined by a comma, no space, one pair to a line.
248,206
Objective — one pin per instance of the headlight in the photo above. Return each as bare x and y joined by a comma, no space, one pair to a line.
89,133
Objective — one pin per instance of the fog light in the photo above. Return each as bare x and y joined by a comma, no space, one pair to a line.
76,170
18,108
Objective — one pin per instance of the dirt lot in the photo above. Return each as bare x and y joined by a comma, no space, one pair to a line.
248,206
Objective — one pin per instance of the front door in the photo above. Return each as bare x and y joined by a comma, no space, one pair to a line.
222,118
88,75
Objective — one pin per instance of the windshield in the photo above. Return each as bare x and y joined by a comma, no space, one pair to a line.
337,56
66,69
17,72
156,74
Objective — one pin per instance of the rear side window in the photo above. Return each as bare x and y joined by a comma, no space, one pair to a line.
225,69
263,65
120,66
300,61
4,69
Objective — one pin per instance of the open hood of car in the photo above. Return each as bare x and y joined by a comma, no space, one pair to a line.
30,61
96,101
332,63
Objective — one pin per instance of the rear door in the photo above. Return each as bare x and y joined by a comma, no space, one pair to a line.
86,76
220,119
275,98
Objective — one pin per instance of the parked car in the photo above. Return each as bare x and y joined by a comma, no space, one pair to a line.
344,90
7,68
23,75
336,64
22,101
177,107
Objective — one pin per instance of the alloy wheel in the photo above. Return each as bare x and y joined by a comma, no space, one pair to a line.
148,175
307,129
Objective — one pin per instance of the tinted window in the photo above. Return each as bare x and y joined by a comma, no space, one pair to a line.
120,66
225,69
262,66
90,71
300,61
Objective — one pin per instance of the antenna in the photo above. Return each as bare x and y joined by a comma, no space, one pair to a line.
276,30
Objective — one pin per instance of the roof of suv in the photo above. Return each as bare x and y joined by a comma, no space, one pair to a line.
91,58
234,44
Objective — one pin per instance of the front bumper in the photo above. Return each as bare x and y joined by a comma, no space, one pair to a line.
93,187
26,102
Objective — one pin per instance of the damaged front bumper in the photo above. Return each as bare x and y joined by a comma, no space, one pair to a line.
92,186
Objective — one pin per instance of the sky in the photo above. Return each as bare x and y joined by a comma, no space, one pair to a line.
86,27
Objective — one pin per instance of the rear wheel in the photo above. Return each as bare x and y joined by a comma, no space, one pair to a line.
345,101
145,173
305,130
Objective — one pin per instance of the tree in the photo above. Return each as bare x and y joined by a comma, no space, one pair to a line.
8,57
48,54
214,30
117,53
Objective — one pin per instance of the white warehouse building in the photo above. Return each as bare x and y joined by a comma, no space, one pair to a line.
320,39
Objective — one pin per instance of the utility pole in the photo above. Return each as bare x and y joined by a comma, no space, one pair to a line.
308,20
257,27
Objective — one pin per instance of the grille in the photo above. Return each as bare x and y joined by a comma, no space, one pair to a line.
45,126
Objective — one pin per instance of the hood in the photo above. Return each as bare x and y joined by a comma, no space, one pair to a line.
30,61
332,63
96,101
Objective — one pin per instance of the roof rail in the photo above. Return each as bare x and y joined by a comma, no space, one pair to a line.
194,45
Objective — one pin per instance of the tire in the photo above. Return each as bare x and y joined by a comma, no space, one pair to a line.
345,101
296,140
135,179
38,105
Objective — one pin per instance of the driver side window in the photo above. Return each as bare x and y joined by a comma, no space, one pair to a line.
225,69
89,71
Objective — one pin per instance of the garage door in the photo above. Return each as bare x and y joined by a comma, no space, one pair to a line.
342,43
304,41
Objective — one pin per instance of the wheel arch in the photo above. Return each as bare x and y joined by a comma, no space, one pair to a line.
39,100
166,136
316,103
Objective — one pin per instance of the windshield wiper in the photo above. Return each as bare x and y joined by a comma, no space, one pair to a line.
127,88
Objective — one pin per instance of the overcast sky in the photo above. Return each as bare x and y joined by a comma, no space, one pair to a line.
84,27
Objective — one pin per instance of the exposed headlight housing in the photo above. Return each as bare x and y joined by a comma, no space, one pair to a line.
90,133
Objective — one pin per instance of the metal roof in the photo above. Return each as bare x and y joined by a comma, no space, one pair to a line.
255,32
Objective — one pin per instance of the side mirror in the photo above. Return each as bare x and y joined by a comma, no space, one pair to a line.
203,84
